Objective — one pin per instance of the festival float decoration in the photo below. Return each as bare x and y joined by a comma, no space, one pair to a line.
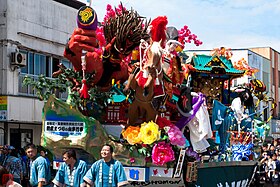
126,68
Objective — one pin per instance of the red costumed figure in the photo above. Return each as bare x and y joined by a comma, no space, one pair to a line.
105,61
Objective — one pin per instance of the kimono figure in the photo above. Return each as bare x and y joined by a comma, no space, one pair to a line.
200,129
221,122
242,107
198,123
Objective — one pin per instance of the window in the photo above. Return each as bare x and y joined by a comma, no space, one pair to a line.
273,77
265,114
235,83
39,64
66,63
266,79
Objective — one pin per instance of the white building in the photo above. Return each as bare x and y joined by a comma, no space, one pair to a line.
36,30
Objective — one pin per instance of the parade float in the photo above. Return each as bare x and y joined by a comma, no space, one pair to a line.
131,87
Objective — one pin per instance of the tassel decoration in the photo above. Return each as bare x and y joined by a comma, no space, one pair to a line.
84,90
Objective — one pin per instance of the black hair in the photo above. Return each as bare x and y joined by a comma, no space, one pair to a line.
21,152
14,153
247,98
30,145
70,153
111,148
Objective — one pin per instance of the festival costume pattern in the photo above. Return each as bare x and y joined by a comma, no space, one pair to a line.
64,177
106,174
40,171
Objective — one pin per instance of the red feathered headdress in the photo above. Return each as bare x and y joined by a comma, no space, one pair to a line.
158,28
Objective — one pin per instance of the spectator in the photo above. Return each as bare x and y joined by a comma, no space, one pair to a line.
24,161
14,166
106,171
4,155
264,166
40,174
71,172
272,150
276,169
6,179
277,152
44,153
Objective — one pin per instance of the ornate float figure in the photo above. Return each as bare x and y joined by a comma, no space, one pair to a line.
105,56
172,62
146,80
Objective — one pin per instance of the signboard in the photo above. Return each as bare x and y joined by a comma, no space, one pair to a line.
161,172
75,128
159,181
275,128
3,108
179,166
137,173
191,174
56,164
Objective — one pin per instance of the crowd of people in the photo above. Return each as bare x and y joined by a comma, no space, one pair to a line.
29,167
269,164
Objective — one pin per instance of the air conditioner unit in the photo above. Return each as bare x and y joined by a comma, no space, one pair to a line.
18,59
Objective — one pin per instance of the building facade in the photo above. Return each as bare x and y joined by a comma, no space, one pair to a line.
33,35
274,57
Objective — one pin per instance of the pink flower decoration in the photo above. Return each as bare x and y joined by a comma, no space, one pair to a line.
186,36
176,136
109,7
162,153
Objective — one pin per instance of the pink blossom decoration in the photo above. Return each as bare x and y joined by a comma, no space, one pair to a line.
186,36
162,153
176,136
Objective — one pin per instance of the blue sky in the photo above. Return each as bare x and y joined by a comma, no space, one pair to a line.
235,24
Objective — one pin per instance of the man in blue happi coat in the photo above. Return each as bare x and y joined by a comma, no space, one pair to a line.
106,172
71,171
40,173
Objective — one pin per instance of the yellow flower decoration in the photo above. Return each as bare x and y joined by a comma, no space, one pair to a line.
149,132
131,134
